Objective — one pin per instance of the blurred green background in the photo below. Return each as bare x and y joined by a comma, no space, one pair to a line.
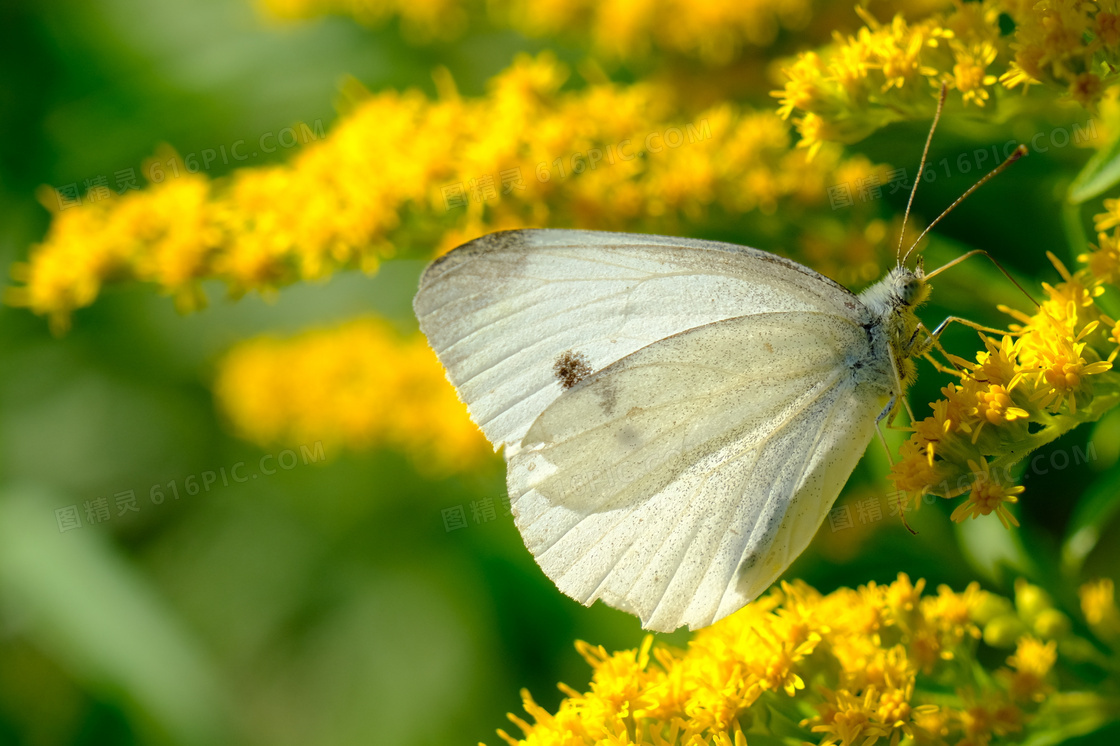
326,603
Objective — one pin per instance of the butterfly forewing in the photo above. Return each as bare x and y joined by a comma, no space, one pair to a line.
502,311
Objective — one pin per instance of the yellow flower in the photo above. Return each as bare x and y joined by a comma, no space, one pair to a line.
1104,259
994,405
1060,366
886,72
988,496
1023,70
1031,665
970,75
913,473
1086,90
1106,27
1063,44
847,719
889,72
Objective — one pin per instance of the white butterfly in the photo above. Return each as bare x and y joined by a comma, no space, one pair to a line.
678,415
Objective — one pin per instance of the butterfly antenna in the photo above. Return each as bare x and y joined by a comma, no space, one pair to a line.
981,252
902,515
1019,153
921,166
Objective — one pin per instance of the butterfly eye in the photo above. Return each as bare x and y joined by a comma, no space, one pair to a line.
909,290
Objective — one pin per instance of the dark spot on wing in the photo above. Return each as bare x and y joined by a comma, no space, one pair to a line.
571,368
608,396
769,347
629,437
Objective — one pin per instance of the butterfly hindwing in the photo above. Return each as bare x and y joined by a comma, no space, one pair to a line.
650,484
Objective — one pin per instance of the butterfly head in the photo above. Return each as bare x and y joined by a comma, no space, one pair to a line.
902,289
911,288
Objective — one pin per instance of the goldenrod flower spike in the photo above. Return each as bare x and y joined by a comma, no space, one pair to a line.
888,72
893,71
1051,373
400,171
876,665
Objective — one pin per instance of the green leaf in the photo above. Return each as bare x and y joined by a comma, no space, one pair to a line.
1100,174
1076,236
74,596
1095,510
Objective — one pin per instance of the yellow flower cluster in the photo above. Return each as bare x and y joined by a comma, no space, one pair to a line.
401,173
889,72
1071,45
1053,372
357,385
848,667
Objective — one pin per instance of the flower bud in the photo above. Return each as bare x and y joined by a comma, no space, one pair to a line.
1030,600
1003,631
1051,624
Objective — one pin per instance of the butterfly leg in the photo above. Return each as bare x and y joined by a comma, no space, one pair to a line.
932,342
883,439
879,430
939,367
970,324
933,339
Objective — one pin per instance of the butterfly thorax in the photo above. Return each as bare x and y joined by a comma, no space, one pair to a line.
892,302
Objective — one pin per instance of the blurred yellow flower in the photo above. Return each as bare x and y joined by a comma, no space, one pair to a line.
357,385
849,667
1098,604
1031,666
